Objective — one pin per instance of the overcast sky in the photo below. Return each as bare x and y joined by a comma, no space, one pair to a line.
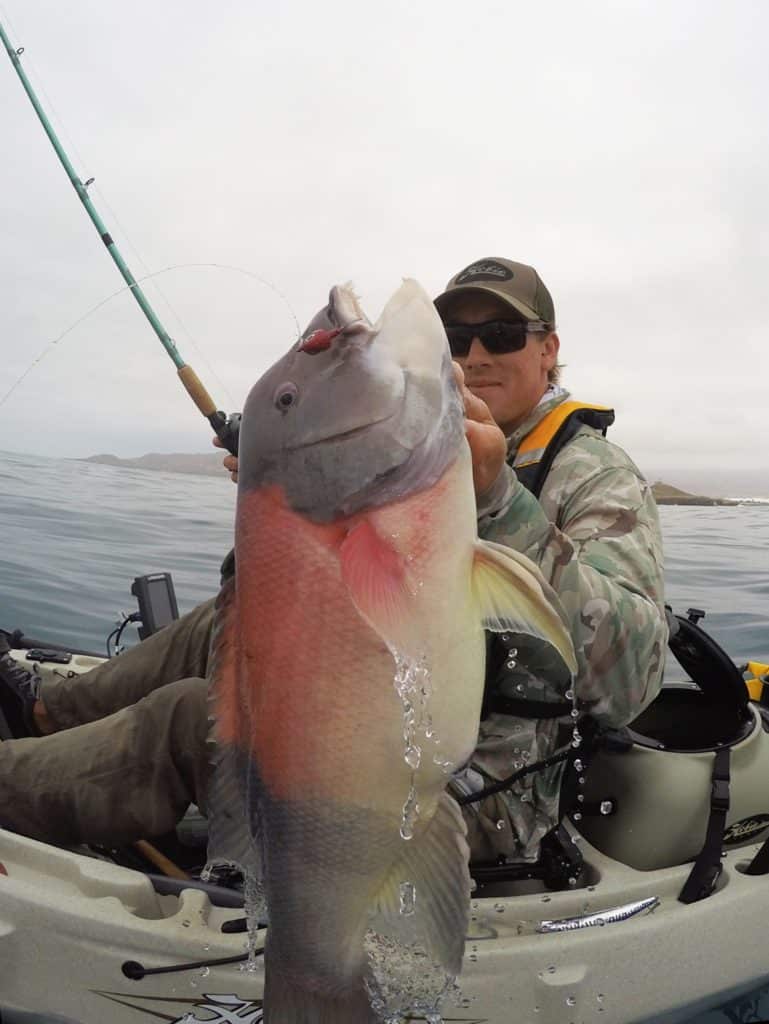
619,147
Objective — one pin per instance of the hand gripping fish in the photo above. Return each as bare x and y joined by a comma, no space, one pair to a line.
349,650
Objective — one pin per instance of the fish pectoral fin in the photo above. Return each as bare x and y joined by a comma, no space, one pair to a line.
434,862
513,595
377,579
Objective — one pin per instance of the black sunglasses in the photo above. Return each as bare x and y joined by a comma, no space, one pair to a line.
496,336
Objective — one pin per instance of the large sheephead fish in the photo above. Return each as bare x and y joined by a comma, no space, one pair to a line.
349,654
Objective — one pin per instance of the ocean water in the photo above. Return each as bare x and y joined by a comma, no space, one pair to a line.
75,534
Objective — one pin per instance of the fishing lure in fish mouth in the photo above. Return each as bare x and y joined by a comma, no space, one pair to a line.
348,658
318,341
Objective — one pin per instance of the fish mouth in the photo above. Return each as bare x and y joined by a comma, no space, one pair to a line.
345,434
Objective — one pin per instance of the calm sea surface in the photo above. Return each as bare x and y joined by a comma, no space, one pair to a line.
75,534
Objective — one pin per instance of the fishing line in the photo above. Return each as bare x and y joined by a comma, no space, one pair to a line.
177,266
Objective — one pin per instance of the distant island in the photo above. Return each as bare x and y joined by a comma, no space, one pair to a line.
210,464
666,494
202,464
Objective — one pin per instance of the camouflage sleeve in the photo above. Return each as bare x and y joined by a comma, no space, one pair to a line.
594,533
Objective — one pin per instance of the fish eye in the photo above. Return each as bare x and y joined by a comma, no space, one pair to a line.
286,396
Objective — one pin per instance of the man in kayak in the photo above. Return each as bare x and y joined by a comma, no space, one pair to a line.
548,484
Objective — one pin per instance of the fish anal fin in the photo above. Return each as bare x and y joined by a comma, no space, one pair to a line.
511,594
377,578
435,863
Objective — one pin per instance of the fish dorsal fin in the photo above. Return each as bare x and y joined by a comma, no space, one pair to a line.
511,594
434,863
231,837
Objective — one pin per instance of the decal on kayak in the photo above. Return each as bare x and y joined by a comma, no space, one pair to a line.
739,831
215,1009
225,1009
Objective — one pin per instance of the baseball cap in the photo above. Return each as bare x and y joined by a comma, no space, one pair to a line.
515,283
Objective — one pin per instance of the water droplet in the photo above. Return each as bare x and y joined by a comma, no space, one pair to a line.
513,651
571,1001
600,997
581,798
185,924
410,814
536,1009
578,765
499,907
205,972
412,756
473,958
504,637
591,888
600,922
576,839
500,825
569,695
519,688
577,816
572,881
546,899
551,969
581,780
606,807
511,664
574,713
408,898
524,798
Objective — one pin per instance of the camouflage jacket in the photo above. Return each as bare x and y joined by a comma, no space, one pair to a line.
595,535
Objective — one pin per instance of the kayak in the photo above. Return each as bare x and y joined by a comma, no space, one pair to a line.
84,940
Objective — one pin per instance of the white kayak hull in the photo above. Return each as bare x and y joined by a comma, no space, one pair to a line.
70,923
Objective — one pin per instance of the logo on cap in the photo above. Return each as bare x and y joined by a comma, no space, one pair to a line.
486,270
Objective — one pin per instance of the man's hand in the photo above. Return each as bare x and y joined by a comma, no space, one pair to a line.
229,462
488,445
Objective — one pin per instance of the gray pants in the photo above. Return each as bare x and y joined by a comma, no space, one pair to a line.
132,752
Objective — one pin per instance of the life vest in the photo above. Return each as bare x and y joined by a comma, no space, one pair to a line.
540,446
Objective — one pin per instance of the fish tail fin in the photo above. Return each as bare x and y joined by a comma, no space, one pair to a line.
287,1003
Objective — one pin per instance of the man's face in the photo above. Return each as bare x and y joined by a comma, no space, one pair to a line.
510,384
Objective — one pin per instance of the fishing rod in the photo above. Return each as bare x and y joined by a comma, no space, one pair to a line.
226,428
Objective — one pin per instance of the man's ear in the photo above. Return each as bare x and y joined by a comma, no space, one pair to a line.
550,348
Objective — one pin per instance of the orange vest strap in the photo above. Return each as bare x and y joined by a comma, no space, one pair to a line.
532,447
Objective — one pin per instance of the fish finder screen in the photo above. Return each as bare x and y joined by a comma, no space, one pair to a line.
157,602
160,599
